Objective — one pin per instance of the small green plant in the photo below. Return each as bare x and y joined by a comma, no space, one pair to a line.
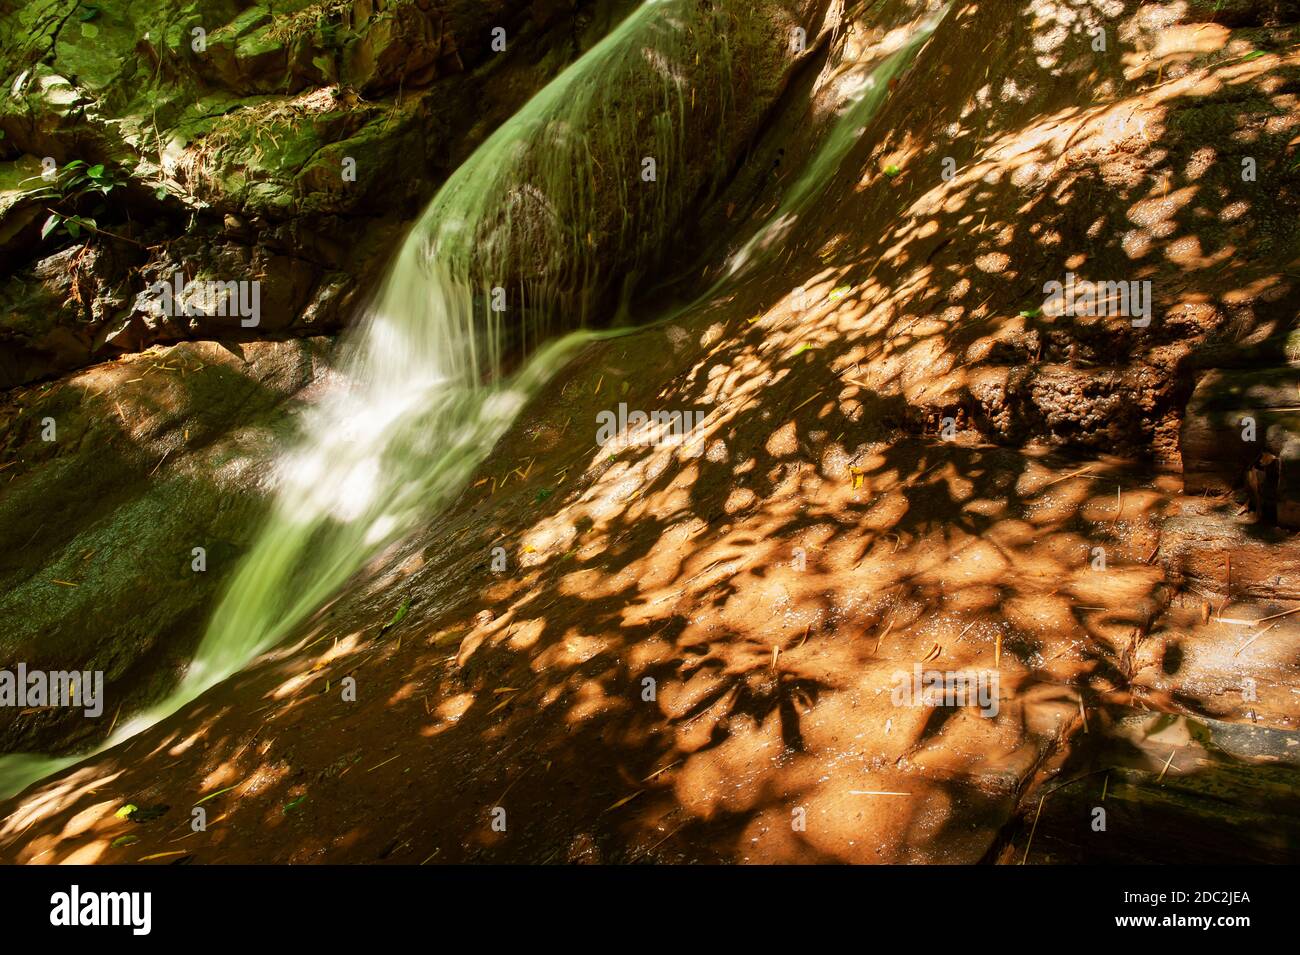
69,187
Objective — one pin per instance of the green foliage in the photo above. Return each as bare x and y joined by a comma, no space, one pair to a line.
70,187
401,612
293,804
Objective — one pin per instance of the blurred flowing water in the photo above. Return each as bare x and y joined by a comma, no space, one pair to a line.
419,397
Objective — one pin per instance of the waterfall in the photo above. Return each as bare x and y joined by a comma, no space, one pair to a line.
551,217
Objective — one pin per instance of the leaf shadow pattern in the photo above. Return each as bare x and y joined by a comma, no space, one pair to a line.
818,536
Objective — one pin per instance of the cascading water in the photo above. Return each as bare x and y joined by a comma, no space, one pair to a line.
863,104
420,396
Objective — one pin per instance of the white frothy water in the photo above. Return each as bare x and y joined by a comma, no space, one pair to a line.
418,400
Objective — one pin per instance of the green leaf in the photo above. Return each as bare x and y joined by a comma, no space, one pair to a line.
401,612
88,14
96,171
160,193
51,224
1030,312
839,293
125,811
1252,56
294,804
803,347
891,170
72,228
121,841
75,164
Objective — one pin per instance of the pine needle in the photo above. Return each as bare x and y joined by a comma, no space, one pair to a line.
1034,829
218,793
1167,764
1276,616
625,800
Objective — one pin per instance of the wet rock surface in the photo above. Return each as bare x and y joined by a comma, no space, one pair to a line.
907,462
109,480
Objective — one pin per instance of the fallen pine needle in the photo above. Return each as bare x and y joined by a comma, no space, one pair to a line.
1167,764
1041,800
804,402
160,462
218,793
875,792
1254,638
880,639
625,800
1067,477
1276,616
660,842
660,771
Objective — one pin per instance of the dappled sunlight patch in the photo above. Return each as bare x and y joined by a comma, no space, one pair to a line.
977,562
1046,615
88,818
187,742
453,709
56,797
591,701
224,776
728,777
572,650
827,534
406,691
1161,50
85,855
